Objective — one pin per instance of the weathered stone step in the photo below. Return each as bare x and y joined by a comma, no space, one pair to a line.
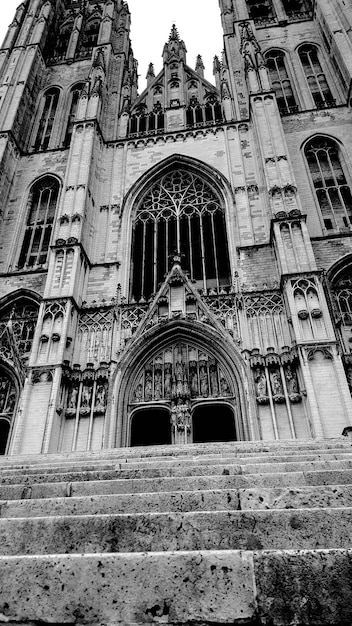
180,470
159,532
199,587
190,483
177,501
157,452
183,501
178,462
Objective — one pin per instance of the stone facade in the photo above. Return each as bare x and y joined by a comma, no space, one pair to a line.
175,266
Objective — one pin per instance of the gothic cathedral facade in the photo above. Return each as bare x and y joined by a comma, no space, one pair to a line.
175,265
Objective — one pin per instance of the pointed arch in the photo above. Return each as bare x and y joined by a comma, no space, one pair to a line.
143,353
210,179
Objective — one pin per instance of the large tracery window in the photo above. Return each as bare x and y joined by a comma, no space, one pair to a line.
41,213
330,183
280,82
23,314
181,212
315,76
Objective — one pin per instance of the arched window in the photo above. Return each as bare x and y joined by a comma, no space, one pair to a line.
179,212
280,82
8,401
75,93
329,181
89,37
42,204
63,40
51,99
23,314
342,291
315,76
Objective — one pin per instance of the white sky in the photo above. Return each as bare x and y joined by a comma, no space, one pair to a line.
198,23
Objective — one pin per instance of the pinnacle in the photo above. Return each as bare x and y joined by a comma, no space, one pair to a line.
174,35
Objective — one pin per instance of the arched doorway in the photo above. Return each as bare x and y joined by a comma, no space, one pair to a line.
4,434
151,427
213,422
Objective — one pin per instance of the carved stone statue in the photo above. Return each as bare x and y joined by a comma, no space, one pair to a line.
158,386
148,391
203,377
214,381
167,382
100,398
291,380
86,397
72,400
262,389
276,383
138,394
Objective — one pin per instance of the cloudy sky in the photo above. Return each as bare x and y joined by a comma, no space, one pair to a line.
198,22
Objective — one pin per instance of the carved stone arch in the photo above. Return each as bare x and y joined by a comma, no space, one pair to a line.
201,337
212,177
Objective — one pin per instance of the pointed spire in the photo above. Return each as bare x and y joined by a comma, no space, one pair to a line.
150,74
174,36
175,47
200,66
216,65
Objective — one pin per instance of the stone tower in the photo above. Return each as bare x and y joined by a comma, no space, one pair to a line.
175,265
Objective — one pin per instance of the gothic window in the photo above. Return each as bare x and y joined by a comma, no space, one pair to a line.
74,98
144,122
315,76
298,9
280,82
42,204
180,212
261,11
197,114
342,290
89,37
330,183
63,40
49,107
23,314
8,401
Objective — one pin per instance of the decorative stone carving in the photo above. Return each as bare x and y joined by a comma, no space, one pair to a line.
42,376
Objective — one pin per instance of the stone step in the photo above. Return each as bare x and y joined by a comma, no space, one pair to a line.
231,469
198,587
170,463
281,529
183,501
196,450
191,483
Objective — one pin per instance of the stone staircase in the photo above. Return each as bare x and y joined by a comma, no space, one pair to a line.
224,533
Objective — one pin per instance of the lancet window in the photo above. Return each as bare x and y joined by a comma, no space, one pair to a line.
330,183
180,212
197,114
47,118
8,401
280,82
89,37
42,203
74,98
63,40
317,82
21,316
342,290
144,122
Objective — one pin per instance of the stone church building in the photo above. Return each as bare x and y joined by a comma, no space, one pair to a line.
176,264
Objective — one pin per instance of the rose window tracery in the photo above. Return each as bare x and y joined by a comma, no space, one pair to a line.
179,212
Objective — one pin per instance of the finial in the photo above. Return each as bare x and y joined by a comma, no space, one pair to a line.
200,66
174,34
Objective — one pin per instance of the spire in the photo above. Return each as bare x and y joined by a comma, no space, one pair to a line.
150,74
175,47
200,66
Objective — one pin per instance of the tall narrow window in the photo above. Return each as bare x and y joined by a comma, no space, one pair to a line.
330,183
23,314
75,93
315,76
298,9
180,212
280,82
41,212
8,400
51,98
89,37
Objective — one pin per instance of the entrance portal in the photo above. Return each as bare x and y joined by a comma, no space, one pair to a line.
151,427
213,422
4,434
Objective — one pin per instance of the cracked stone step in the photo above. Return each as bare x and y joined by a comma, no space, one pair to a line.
227,587
183,501
193,483
158,532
